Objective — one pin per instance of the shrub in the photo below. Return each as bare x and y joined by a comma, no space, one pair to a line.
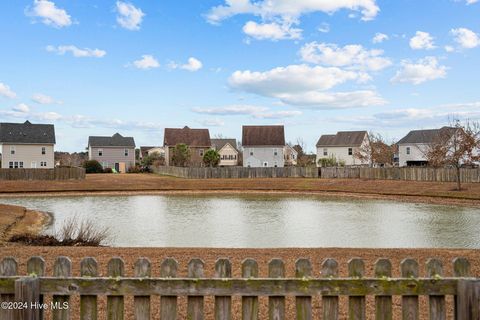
134,169
327,162
211,158
92,166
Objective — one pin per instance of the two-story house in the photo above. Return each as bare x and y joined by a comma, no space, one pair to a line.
413,148
291,156
263,146
27,145
227,148
116,152
345,146
197,140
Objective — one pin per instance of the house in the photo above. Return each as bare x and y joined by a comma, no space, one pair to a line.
413,148
263,146
146,151
291,155
344,147
227,148
198,141
116,152
27,145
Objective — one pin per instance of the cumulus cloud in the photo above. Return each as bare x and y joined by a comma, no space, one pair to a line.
49,13
231,110
273,31
44,99
278,114
380,37
421,71
5,91
335,100
128,16
324,28
350,56
77,52
146,62
466,38
21,107
192,65
422,40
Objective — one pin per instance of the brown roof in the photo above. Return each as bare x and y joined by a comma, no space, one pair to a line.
144,150
190,137
342,139
263,136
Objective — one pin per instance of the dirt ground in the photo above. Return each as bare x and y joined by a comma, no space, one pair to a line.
18,220
236,256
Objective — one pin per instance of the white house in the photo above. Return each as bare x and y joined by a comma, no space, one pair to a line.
343,146
413,148
263,146
227,148
291,155
27,145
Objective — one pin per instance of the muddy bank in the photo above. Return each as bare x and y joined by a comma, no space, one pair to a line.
15,220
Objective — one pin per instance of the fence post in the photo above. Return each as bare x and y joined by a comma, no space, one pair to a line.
115,304
62,268
249,304
142,303
223,304
468,299
303,270
194,303
8,268
27,291
383,304
409,269
330,303
168,304
88,304
437,303
276,305
36,266
356,305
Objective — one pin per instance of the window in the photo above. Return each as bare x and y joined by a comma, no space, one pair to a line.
293,156
100,152
12,149
251,152
125,152
325,152
350,151
408,150
200,152
20,164
275,164
15,164
265,164
43,163
275,152
10,164
44,150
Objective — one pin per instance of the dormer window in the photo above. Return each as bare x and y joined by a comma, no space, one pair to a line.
100,152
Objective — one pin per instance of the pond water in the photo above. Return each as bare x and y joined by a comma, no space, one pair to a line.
266,221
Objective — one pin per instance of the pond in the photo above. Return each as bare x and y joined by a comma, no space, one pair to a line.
259,221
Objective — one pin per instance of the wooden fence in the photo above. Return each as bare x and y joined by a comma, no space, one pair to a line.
74,173
237,172
26,294
404,173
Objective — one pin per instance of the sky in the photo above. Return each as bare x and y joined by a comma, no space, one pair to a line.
317,67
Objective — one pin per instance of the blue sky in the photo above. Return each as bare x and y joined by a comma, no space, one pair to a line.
136,67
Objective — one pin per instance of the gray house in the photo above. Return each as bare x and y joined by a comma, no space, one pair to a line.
27,145
116,152
263,146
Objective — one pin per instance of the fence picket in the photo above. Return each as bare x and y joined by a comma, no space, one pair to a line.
249,304
276,305
409,269
303,270
115,304
461,268
356,305
27,291
330,303
383,304
223,304
436,303
8,268
88,304
195,303
36,267
168,304
62,268
142,269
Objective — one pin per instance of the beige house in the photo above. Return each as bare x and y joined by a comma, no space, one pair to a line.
291,156
227,148
344,146
116,152
27,145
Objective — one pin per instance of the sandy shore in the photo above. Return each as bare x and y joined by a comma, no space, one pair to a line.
18,220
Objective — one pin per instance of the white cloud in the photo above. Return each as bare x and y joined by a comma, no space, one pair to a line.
77,52
192,65
44,99
471,2
380,37
231,110
423,70
49,14
212,122
6,91
269,9
21,107
335,100
271,31
129,17
449,48
350,56
324,28
278,114
466,38
147,62
50,116
422,40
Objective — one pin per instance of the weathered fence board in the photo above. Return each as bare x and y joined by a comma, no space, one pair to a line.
8,268
74,173
88,303
141,304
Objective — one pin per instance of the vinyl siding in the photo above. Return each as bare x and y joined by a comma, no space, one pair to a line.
262,155
226,152
112,155
418,152
28,153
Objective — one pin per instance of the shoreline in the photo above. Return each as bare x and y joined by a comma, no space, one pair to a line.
17,220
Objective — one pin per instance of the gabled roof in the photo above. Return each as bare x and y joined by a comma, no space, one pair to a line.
426,136
218,144
263,136
342,139
190,137
27,133
117,140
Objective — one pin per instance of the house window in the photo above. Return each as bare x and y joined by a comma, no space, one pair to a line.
251,152
44,150
15,164
293,156
43,163
275,164
20,164
408,150
12,149
100,152
265,164
10,164
275,152
350,151
125,152
200,152
325,152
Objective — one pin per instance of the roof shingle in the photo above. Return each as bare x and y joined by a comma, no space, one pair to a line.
342,139
27,133
263,136
220,143
190,137
426,136
117,140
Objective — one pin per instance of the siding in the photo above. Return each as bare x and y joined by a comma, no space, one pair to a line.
262,155
341,153
417,153
196,160
28,153
112,155
227,151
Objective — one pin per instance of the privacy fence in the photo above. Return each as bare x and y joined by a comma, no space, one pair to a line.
43,174
25,297
238,172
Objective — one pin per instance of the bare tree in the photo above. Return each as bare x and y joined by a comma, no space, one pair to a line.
377,153
455,146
